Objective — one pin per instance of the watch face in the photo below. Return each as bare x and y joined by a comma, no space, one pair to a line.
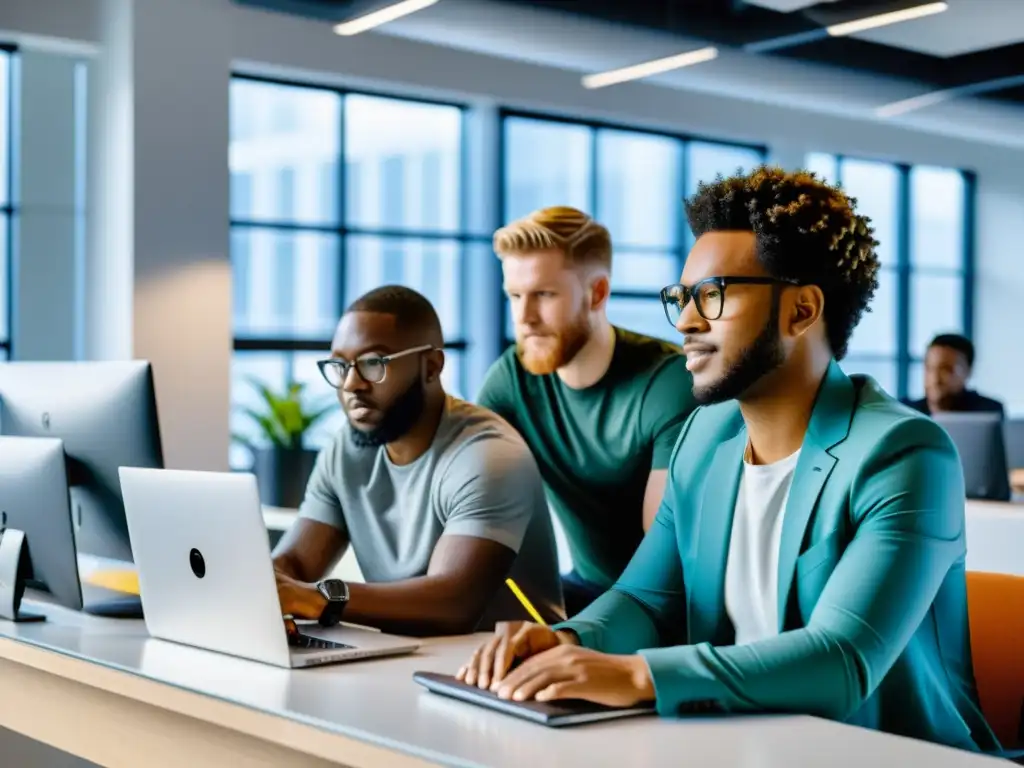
334,589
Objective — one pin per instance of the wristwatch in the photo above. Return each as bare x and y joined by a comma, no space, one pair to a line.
335,591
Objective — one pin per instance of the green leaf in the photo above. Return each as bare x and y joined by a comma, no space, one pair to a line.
285,419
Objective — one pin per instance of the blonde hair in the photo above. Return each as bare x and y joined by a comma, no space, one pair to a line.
583,241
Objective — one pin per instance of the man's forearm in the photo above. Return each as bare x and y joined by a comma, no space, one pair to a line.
428,605
288,565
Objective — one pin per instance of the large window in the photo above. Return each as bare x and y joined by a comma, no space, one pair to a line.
922,217
631,181
334,193
6,204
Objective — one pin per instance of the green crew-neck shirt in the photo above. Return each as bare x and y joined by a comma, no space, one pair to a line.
596,446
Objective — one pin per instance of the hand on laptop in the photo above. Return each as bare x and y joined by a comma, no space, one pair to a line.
299,599
571,672
513,641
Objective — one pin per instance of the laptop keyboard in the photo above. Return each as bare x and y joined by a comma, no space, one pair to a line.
310,643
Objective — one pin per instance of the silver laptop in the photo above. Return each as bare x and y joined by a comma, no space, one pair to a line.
206,577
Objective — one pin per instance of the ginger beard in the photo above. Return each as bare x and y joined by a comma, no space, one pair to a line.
544,351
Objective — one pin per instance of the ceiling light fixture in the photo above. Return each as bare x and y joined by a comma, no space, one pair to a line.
382,16
885,19
648,68
912,104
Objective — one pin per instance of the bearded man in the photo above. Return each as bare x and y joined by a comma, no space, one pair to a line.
600,407
439,498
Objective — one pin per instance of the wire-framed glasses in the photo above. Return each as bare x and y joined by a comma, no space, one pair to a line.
708,295
372,369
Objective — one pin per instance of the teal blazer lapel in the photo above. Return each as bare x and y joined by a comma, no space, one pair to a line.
829,425
707,582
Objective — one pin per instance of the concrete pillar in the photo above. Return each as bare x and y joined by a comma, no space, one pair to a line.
158,274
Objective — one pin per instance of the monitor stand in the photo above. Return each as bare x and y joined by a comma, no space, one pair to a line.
13,567
126,607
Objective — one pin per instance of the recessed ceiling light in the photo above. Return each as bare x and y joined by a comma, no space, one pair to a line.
885,19
382,16
648,68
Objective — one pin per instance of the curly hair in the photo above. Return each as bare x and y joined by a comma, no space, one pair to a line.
584,241
806,230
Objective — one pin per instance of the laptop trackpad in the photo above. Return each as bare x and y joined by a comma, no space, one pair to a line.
567,712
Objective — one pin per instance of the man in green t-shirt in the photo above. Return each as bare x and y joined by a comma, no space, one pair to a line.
599,406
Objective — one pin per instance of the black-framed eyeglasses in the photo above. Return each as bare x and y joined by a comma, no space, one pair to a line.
708,295
372,369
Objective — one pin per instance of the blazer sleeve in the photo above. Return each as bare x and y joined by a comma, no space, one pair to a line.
908,509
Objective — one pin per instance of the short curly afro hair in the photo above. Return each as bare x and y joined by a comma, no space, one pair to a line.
806,230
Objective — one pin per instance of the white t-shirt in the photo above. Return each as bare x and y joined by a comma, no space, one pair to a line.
752,568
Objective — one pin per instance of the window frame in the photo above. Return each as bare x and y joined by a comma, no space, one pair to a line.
9,209
594,126
343,230
905,270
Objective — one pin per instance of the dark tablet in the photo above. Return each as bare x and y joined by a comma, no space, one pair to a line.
553,714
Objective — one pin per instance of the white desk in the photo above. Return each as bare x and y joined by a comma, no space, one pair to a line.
995,537
102,690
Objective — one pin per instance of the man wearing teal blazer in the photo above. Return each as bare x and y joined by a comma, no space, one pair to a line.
808,556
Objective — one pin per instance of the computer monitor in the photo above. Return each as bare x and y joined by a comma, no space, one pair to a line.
1014,432
979,440
34,500
106,414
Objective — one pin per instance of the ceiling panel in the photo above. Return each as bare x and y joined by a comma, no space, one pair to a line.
974,41
968,26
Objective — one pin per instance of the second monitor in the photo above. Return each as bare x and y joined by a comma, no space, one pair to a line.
106,414
980,441
34,503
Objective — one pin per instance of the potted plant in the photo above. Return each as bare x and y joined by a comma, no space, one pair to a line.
282,462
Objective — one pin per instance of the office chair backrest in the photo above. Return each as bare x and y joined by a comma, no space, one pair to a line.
995,603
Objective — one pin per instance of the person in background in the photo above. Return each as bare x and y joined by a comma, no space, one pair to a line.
808,556
435,495
599,406
947,368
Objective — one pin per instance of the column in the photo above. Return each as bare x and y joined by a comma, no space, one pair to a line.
158,274
48,135
483,270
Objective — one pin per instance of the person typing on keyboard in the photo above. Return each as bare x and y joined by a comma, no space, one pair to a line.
808,556
440,499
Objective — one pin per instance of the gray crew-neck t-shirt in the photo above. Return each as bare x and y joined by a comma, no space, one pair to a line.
478,478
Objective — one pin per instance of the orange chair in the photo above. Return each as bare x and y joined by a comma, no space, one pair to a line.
995,606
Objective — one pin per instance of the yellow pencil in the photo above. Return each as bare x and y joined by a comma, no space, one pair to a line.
525,601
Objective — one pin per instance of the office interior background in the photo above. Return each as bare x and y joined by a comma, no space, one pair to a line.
206,183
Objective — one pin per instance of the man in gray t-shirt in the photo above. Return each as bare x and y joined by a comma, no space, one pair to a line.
440,499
